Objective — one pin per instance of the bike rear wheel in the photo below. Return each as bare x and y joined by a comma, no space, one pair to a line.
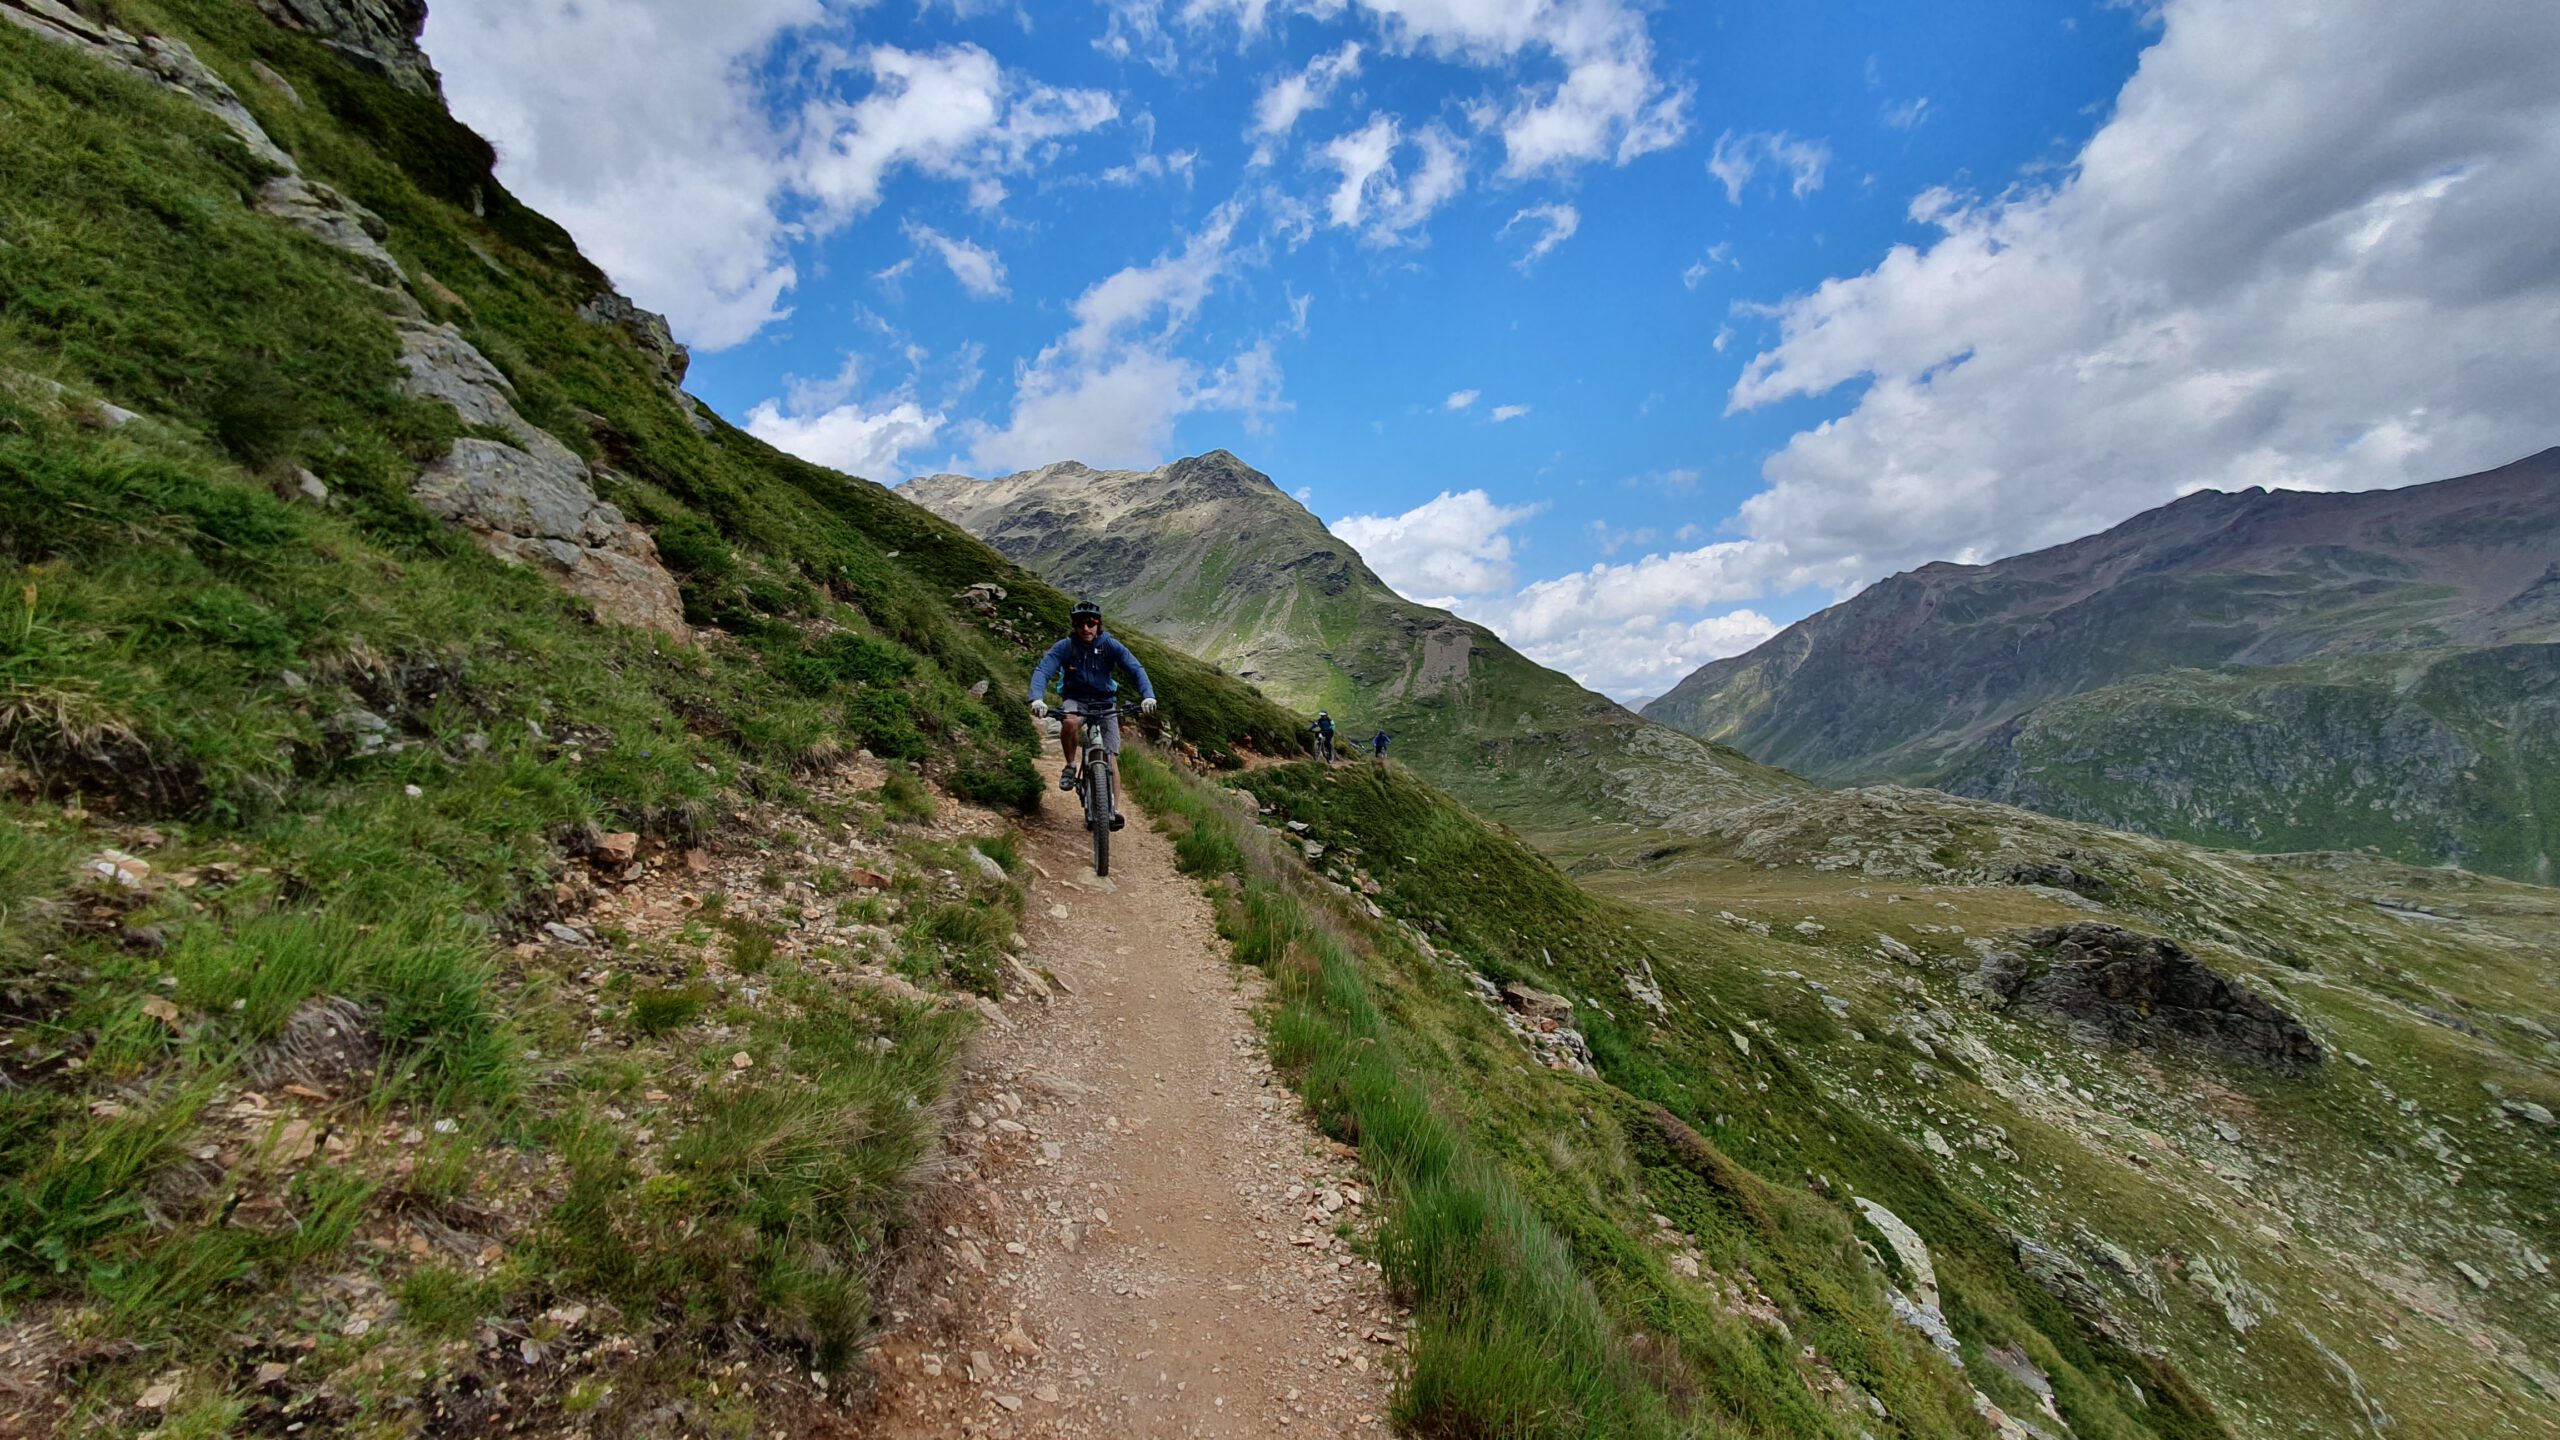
1097,814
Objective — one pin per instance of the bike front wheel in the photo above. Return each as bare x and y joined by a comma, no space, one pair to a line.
1097,816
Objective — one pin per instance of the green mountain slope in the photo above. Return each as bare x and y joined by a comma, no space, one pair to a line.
375,614
2164,1217
1208,553
2266,671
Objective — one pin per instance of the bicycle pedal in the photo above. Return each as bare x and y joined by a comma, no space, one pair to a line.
1119,820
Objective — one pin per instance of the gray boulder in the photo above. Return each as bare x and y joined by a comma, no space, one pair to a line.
2115,984
538,509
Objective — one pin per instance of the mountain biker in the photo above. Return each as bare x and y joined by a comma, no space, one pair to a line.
1082,664
1378,744
1324,734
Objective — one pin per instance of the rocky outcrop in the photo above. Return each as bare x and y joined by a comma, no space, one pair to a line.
530,498
649,330
2112,984
380,35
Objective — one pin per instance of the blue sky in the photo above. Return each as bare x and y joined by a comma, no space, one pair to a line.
1634,331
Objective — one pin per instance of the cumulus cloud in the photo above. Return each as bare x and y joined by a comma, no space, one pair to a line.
687,167
2316,244
1555,224
1626,630
1508,412
821,421
1461,399
952,113
1109,391
1387,205
1636,629
1738,158
1610,104
977,268
1448,546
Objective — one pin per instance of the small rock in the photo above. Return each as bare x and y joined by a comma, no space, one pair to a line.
1937,1145
986,865
2528,1110
158,1396
1009,1402
271,1372
742,1060
566,935
619,848
126,870
310,488
2478,1280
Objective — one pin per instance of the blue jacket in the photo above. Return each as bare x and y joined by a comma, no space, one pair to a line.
1084,671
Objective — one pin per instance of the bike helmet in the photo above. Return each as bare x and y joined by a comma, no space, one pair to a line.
1084,608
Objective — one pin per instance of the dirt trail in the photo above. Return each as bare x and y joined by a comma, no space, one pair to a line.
1139,1226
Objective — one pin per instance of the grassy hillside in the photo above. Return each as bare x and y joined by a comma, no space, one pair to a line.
307,1115
1209,553
2164,1238
2452,758
2267,671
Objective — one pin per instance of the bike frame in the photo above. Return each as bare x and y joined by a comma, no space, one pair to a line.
1098,780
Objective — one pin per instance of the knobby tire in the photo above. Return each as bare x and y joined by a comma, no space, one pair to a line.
1097,815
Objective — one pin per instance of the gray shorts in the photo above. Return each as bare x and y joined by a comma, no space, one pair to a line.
1110,721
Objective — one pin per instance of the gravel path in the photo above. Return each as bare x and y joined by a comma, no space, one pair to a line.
1141,1234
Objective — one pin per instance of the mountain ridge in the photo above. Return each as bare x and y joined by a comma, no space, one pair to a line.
1940,675
1212,554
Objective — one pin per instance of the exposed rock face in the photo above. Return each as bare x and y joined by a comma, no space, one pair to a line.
649,330
381,35
2134,989
532,501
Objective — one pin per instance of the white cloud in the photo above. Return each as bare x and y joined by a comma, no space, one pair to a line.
1508,412
1609,106
977,268
1386,205
1461,399
823,422
687,167
1453,544
1109,391
1909,115
1738,158
674,194
1293,95
2317,244
952,113
1636,628
1626,630
1557,222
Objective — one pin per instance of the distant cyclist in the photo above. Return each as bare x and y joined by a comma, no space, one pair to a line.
1082,664
1324,735
1378,744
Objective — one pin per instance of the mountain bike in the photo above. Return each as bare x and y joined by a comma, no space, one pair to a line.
1324,746
1098,782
